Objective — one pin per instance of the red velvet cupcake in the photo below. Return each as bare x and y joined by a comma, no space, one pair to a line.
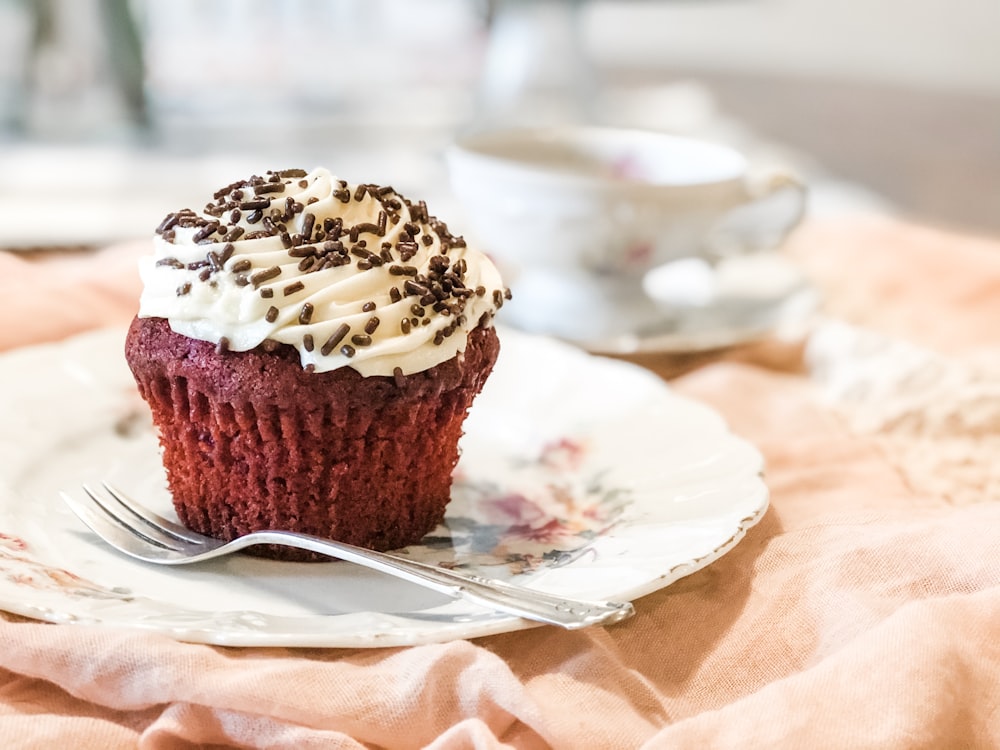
309,351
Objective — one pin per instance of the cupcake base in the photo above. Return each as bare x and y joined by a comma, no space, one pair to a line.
251,441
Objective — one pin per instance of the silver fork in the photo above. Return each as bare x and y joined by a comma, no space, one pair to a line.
140,533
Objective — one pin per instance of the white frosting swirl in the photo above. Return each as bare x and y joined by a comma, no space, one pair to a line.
350,275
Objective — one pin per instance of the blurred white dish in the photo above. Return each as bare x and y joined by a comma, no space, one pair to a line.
576,217
694,306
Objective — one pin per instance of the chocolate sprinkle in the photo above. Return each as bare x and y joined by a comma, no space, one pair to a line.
407,246
231,187
305,315
366,228
301,251
266,275
272,314
270,187
413,288
205,232
336,338
308,222
168,223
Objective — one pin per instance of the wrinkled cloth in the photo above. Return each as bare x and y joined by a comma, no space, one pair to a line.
862,611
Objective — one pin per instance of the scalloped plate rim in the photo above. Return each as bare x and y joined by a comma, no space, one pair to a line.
370,629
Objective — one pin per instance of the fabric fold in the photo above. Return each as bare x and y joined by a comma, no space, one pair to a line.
862,611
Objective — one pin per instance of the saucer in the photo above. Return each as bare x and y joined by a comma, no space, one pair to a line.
683,307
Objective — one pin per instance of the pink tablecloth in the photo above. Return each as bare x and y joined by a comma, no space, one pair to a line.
863,611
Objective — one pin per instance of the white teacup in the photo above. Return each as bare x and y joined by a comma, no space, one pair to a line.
577,216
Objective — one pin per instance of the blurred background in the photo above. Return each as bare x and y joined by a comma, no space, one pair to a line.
113,112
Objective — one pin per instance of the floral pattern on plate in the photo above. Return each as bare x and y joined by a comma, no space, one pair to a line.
19,568
546,517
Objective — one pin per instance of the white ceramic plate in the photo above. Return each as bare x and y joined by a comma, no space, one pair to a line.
580,476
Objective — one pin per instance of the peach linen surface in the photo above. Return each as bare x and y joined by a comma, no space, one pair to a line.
863,610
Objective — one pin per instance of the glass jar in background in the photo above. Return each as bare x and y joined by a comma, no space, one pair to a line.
81,71
536,69
15,35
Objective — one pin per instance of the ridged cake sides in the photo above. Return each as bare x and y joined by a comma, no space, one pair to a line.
364,460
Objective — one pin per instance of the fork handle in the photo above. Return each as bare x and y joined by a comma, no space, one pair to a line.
530,604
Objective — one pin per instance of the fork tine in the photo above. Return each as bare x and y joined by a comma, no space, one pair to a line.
99,523
153,520
103,523
146,533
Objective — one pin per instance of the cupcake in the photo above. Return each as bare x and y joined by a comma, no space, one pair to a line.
309,350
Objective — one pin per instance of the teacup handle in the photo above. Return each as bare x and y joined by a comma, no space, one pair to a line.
741,229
